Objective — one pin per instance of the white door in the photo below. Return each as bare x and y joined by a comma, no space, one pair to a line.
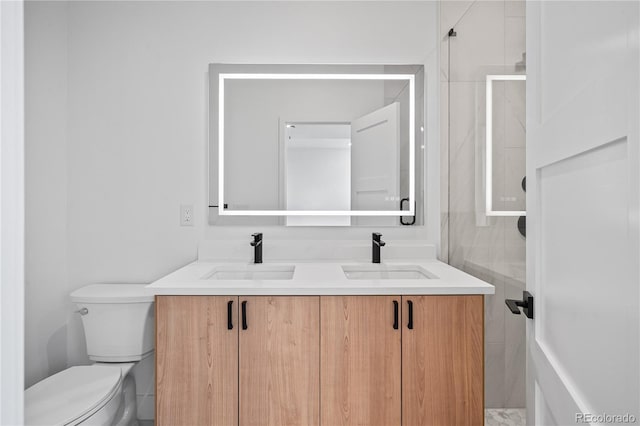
583,165
375,164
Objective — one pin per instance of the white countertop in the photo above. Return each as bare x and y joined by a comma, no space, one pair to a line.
319,278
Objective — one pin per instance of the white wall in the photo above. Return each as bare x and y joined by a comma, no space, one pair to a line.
48,308
255,111
319,177
135,143
11,211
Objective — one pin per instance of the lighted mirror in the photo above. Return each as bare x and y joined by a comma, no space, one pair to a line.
316,145
505,166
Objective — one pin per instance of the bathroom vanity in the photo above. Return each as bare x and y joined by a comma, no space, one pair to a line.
327,331
310,343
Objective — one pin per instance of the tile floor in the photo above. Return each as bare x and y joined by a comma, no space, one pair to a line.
505,417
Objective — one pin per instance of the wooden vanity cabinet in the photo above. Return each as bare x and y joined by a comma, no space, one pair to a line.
443,360
320,360
226,360
196,360
360,360
279,361
427,372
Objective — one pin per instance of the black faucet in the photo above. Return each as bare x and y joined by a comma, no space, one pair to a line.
376,243
257,247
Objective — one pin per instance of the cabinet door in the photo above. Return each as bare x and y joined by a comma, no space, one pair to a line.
279,361
442,360
196,361
360,361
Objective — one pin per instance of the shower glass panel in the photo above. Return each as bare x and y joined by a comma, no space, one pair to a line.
483,169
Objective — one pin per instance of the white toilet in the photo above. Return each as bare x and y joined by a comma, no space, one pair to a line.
118,322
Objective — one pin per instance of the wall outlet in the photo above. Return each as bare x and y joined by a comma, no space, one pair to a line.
186,215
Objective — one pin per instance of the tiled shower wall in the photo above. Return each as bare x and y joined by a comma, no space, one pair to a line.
490,39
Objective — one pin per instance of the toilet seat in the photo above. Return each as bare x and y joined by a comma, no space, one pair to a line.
71,395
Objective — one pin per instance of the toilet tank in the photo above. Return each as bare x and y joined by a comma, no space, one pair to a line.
118,321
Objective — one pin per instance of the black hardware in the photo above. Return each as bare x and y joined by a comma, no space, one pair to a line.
522,220
410,323
526,304
257,247
376,243
230,315
244,315
522,226
452,33
216,206
395,314
413,221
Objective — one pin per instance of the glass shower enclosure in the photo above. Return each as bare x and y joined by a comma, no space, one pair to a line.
483,80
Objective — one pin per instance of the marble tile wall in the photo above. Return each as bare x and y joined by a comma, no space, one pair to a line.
490,40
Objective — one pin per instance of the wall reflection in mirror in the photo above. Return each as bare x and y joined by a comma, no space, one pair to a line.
316,145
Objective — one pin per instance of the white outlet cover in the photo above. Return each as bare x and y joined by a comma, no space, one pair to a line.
186,215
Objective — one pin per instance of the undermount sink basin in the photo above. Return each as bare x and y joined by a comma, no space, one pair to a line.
252,272
386,272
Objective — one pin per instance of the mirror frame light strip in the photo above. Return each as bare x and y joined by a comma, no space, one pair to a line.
489,146
282,76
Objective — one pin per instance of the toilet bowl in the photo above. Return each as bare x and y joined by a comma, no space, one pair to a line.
119,329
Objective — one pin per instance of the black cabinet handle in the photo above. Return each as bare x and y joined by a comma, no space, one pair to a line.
244,315
230,315
410,324
395,314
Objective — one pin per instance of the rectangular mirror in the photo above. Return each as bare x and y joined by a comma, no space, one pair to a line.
316,145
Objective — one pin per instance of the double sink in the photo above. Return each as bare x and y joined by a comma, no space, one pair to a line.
376,271
352,272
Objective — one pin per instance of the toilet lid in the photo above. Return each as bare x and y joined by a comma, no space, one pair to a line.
70,394
113,293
